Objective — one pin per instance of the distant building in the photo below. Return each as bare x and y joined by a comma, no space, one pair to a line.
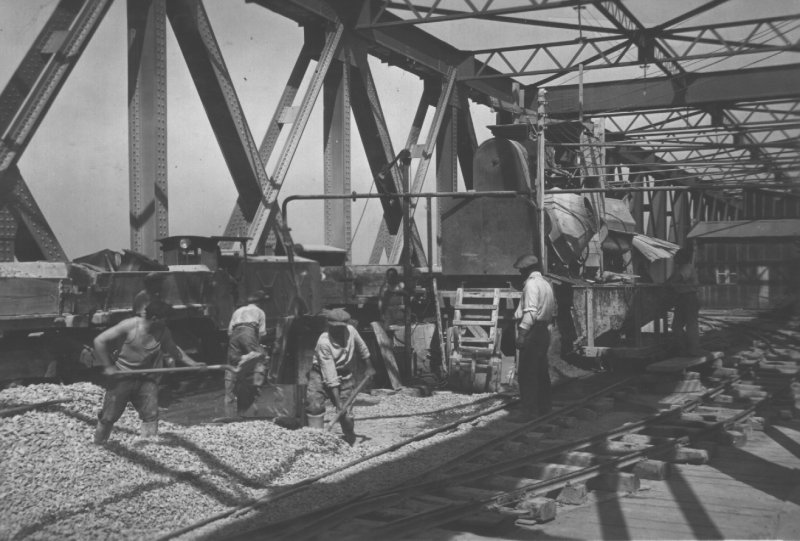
748,264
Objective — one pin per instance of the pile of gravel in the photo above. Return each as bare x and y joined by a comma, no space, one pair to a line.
55,483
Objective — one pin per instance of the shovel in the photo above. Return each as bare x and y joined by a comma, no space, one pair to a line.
349,402
245,362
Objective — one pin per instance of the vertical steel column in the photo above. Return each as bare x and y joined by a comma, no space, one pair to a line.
540,169
446,172
637,202
336,126
467,140
147,124
8,234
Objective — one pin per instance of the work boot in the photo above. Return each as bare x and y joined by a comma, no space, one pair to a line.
348,429
101,432
148,432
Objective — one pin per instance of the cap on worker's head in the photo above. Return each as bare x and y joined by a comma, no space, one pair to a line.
152,278
337,316
157,310
526,261
258,296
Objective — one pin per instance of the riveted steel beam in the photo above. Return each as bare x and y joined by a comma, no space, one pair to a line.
407,47
214,85
27,98
147,125
421,171
691,90
336,133
268,214
237,224
40,241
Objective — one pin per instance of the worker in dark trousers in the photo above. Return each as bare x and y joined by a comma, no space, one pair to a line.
684,285
141,343
533,316
246,330
331,374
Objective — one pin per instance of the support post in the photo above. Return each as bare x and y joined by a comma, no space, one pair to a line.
540,163
147,125
407,268
336,120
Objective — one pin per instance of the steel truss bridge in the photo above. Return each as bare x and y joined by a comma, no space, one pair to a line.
713,105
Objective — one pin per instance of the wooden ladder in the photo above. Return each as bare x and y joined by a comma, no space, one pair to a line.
475,320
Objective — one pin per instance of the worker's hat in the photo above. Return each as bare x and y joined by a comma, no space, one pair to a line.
336,316
258,296
525,261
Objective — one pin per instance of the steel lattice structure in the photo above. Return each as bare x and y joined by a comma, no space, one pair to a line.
717,110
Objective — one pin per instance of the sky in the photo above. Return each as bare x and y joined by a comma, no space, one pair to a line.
77,163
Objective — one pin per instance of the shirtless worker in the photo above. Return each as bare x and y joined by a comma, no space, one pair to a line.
141,342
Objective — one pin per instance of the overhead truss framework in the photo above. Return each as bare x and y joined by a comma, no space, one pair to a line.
712,102
690,55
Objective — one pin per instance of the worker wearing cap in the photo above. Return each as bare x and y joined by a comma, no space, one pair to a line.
533,316
684,284
331,374
140,343
247,328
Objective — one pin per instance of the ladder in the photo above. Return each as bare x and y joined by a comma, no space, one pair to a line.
475,321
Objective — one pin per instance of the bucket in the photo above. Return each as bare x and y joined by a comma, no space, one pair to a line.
316,421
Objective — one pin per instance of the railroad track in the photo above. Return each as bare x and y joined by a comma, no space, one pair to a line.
521,475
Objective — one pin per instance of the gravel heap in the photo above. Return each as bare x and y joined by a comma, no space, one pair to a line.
54,483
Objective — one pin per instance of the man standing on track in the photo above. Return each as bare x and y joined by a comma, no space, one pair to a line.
141,343
533,315
246,330
685,284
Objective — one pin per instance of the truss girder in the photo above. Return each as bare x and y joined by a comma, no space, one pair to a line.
407,47
237,224
695,90
27,98
426,153
267,213
42,242
207,67
372,128
470,10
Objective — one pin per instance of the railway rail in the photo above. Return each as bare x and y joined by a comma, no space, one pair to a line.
519,476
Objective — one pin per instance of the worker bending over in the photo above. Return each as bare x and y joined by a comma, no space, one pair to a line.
246,330
136,343
331,374
533,315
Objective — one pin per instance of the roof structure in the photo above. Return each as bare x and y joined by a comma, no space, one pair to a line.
711,87
746,229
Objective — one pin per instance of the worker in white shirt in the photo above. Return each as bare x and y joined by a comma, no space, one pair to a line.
246,329
533,316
